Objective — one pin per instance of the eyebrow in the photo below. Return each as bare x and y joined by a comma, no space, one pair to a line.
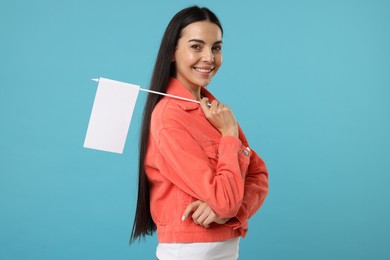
201,41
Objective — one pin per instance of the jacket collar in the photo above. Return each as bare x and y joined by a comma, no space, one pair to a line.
176,88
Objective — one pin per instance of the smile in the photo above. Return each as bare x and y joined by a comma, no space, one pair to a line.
204,70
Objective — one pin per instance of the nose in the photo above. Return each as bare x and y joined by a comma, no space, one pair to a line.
208,55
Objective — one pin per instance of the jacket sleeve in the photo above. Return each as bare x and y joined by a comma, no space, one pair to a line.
184,162
255,190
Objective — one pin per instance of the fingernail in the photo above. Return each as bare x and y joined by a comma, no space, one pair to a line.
183,218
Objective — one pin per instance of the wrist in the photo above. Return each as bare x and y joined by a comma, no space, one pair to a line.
230,132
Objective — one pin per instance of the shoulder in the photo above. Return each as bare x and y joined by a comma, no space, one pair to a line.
166,114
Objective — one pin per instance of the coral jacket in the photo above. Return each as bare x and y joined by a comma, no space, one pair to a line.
188,160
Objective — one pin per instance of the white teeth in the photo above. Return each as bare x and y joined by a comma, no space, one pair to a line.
203,70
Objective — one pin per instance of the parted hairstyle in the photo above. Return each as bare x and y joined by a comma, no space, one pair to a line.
164,69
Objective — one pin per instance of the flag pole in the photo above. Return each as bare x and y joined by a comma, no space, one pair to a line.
163,94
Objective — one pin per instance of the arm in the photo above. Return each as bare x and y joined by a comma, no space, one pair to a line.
256,179
256,189
183,161
191,165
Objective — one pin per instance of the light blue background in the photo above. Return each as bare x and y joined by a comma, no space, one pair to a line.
308,81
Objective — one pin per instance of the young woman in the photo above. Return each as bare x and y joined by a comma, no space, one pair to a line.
199,182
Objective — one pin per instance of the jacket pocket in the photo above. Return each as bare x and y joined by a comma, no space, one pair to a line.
210,149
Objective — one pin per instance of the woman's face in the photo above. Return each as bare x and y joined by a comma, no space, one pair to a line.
198,55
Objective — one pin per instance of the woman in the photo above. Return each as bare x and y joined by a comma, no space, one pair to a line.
199,182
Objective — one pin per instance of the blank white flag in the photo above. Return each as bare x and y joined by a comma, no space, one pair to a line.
111,115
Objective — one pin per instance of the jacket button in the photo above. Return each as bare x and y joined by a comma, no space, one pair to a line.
245,152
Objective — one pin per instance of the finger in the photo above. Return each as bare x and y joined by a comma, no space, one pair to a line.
214,107
210,219
197,216
203,216
198,211
191,207
204,104
214,104
220,108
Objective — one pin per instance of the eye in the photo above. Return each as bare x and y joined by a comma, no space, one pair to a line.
217,48
196,47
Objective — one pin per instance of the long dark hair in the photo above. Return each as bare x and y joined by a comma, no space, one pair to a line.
164,69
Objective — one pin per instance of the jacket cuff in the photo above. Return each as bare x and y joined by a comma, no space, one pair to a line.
239,221
231,143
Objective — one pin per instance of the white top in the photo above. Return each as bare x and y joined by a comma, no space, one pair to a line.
224,250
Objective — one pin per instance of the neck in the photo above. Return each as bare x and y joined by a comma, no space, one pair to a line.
196,93
193,89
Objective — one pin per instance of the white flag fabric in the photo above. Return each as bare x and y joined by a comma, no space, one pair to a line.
111,115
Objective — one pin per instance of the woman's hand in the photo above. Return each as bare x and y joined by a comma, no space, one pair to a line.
220,116
202,214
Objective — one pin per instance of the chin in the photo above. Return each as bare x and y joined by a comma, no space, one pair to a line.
204,82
